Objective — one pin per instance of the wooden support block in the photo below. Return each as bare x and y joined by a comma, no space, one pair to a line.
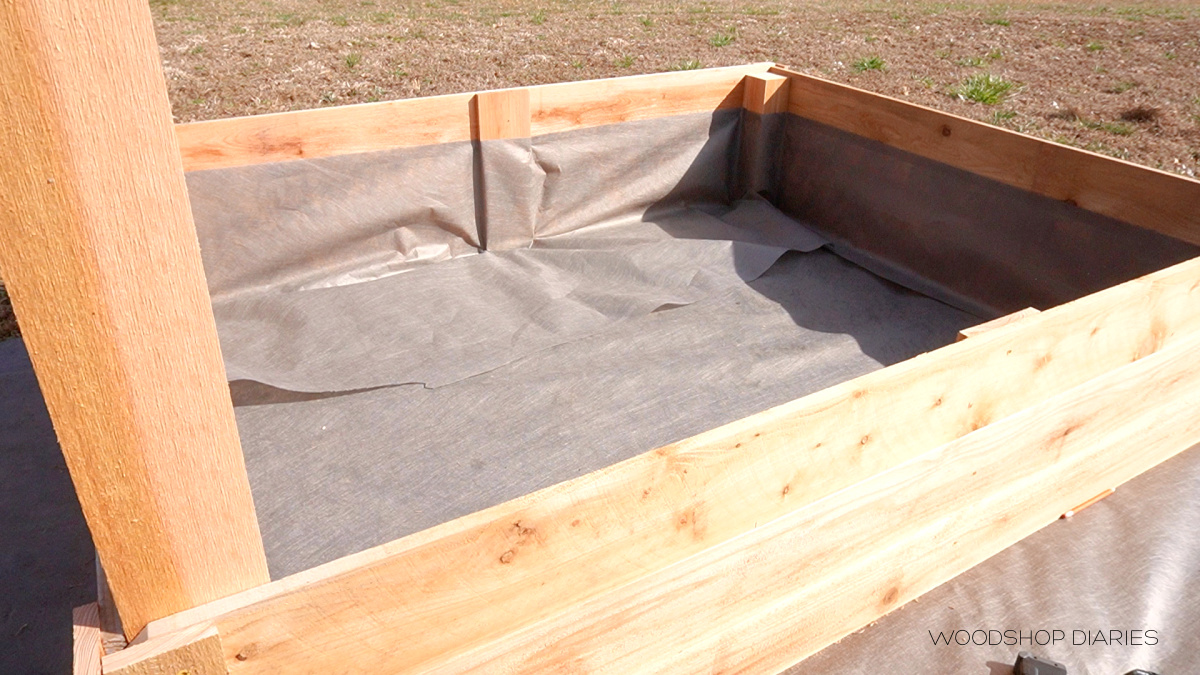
501,114
195,650
995,323
87,648
101,261
766,93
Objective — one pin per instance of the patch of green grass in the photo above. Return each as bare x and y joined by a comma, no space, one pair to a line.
383,17
1094,46
723,38
995,55
646,22
983,88
869,39
625,61
1170,56
238,30
1115,128
761,11
997,21
353,59
1121,87
690,64
198,49
999,117
576,64
288,19
538,18
868,63
970,62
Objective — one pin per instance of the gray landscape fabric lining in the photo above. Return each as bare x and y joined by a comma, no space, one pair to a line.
416,334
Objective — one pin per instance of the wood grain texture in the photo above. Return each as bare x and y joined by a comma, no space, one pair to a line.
503,113
996,323
443,119
766,93
574,105
1140,196
324,132
100,258
87,648
761,603
195,650
416,603
112,636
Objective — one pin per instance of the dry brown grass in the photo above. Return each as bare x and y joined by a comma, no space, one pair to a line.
1084,73
225,58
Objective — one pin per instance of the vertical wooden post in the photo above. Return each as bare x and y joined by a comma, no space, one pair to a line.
765,93
501,114
99,254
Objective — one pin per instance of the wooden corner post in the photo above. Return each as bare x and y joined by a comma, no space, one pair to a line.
99,253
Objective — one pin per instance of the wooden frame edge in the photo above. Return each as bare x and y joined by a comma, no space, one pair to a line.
1138,195
461,586
366,127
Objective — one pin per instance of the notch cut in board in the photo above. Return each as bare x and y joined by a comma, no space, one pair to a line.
996,323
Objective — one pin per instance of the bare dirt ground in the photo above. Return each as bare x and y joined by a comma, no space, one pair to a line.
1121,79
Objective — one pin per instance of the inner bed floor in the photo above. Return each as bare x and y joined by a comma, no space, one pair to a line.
335,474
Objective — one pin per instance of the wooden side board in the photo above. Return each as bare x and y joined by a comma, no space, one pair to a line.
342,130
1151,199
195,650
787,589
424,601
100,256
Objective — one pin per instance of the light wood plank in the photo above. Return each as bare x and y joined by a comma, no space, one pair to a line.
366,127
574,105
87,646
471,581
766,93
1148,198
787,589
501,114
195,650
101,261
324,132
996,323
